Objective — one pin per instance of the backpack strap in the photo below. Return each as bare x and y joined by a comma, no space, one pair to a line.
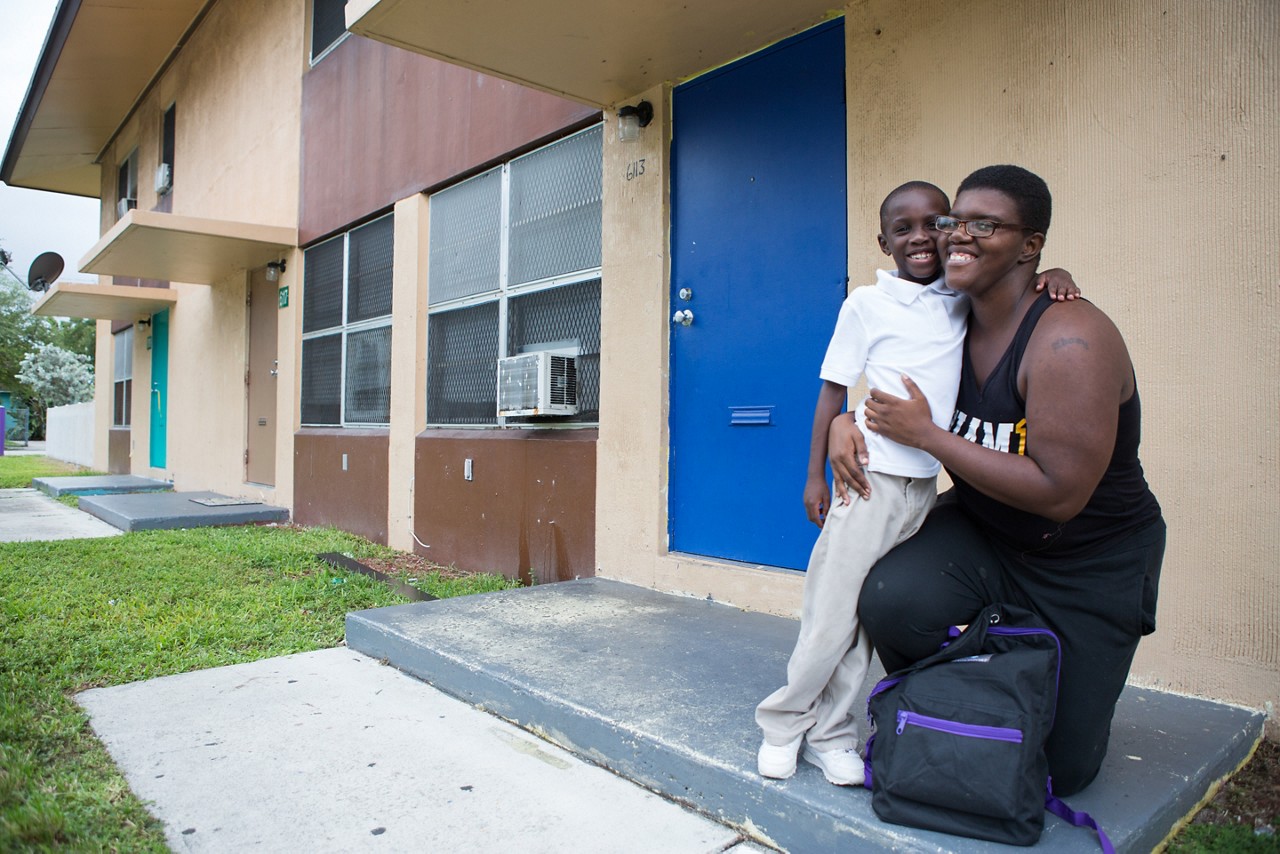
1055,805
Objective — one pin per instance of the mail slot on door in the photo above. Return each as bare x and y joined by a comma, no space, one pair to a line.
262,422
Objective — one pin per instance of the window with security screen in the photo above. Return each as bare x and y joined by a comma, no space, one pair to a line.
122,378
515,269
346,328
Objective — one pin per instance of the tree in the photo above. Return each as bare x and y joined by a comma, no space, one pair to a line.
76,334
56,377
20,332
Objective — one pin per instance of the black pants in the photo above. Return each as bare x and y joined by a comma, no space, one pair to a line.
1099,607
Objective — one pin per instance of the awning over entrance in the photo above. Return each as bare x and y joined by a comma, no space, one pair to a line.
104,302
98,57
598,52
173,248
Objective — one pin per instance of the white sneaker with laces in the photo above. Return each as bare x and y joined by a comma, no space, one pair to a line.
842,767
778,761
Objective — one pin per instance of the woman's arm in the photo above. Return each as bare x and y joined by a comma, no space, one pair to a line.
847,450
1074,376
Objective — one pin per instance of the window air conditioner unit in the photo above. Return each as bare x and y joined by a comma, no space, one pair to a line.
164,178
124,206
541,383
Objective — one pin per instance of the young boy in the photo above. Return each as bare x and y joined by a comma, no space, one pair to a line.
911,323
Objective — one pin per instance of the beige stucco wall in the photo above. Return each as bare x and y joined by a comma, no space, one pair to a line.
237,87
103,391
1155,126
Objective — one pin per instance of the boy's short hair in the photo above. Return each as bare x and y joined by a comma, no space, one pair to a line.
913,185
1028,190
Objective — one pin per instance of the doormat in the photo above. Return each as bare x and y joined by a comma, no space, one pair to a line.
223,502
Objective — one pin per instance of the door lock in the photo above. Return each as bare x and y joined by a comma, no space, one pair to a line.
684,317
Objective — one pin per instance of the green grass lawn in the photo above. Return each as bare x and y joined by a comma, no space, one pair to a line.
78,614
16,472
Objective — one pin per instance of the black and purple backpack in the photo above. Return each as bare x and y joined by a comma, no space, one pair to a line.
958,738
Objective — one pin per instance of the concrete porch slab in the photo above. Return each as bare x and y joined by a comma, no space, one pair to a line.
111,484
662,690
151,511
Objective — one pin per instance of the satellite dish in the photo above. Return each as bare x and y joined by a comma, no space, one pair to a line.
44,270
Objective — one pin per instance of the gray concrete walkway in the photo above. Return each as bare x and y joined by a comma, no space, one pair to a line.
332,752
28,514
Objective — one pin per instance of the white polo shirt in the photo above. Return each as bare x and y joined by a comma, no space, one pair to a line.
897,327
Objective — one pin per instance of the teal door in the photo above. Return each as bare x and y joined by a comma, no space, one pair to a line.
159,388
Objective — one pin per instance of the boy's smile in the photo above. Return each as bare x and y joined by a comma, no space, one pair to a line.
909,236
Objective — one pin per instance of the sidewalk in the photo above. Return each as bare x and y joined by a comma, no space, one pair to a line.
330,751
28,515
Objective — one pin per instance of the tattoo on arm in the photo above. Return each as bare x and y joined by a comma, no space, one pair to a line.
1070,342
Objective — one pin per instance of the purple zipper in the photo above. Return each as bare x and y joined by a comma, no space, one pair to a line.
993,733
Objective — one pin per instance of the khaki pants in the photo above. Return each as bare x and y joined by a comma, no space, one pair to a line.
832,653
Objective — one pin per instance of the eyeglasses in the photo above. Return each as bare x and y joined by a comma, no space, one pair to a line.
974,227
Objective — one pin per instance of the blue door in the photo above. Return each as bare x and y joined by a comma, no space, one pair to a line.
758,275
159,446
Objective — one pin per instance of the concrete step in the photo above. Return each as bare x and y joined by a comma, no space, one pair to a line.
149,511
662,689
109,484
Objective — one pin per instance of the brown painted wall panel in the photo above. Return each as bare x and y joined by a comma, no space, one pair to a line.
118,450
529,509
380,124
354,500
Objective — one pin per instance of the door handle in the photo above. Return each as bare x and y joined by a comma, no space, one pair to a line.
684,317
156,392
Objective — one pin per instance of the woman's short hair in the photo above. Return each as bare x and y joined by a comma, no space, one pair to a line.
1028,190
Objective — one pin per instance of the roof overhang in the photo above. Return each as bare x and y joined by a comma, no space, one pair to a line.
173,248
98,59
104,302
597,52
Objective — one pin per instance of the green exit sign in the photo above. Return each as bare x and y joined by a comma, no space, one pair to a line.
284,297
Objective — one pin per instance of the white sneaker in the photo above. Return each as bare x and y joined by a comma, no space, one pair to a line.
778,761
842,767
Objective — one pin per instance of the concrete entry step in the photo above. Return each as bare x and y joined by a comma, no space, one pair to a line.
662,690
111,484
150,511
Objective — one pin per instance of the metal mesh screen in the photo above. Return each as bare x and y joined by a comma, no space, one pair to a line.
555,209
322,286
369,376
567,318
370,262
462,358
322,379
465,238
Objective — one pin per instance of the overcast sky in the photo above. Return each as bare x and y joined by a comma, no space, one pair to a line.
32,222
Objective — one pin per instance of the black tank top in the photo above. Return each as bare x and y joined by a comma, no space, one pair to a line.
995,417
